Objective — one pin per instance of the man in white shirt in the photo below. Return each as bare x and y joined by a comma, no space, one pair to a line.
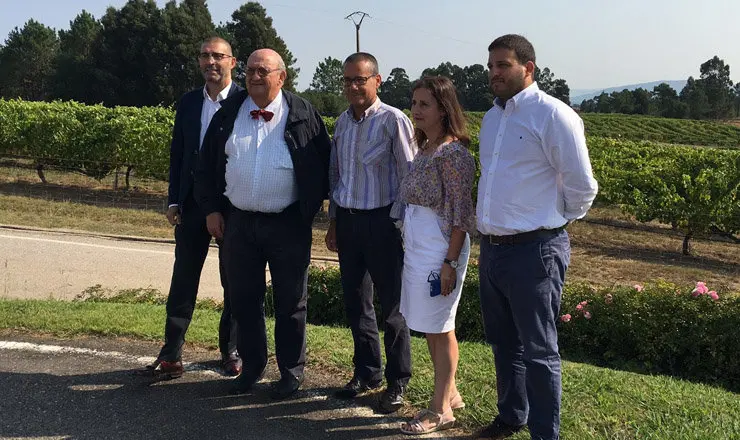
265,163
192,240
535,179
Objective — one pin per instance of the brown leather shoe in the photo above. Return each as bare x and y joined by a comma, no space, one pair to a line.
231,364
162,370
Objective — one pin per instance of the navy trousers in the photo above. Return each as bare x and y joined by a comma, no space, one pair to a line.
520,290
252,241
191,249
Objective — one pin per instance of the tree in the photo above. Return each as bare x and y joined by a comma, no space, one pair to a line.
643,101
127,60
328,77
737,99
471,83
561,90
622,102
555,87
695,98
717,85
544,78
182,30
327,104
667,103
477,93
251,29
396,89
27,62
75,61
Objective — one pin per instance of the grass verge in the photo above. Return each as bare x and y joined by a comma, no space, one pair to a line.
598,403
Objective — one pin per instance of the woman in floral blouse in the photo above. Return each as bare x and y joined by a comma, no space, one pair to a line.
439,215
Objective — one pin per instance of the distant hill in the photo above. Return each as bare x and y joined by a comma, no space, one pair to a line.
579,95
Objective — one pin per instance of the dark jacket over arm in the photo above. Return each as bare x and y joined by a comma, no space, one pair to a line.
185,144
306,137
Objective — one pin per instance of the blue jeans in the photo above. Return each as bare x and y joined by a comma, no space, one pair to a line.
520,290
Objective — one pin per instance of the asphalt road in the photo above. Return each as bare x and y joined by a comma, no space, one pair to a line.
38,264
84,389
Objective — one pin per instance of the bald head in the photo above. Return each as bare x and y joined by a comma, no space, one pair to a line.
266,75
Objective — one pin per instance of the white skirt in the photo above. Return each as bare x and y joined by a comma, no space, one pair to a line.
425,248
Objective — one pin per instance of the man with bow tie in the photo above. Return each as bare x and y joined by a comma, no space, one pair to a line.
265,163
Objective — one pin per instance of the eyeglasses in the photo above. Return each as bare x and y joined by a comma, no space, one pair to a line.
260,71
205,56
358,80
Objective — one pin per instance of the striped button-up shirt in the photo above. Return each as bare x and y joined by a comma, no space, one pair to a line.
369,158
259,169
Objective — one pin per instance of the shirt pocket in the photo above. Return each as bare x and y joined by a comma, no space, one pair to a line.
376,153
284,161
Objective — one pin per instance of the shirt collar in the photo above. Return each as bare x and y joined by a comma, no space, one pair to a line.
223,94
520,97
368,112
273,106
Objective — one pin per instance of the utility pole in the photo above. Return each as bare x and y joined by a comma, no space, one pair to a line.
362,16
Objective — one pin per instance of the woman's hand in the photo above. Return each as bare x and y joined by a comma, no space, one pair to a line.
448,276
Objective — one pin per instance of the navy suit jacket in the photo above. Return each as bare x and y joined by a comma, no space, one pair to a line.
184,149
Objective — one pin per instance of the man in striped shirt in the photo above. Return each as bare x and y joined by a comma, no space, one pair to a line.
371,152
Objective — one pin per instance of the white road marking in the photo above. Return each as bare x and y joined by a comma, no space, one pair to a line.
58,349
100,246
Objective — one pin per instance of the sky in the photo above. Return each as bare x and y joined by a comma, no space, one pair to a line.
593,44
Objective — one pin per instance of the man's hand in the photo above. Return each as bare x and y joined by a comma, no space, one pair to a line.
448,276
331,237
173,215
215,225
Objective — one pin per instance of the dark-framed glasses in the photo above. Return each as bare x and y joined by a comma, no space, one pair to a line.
358,80
205,56
260,71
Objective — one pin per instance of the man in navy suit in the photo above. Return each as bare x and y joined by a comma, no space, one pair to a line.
194,113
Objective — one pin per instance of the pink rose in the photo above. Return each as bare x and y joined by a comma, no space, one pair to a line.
638,287
583,303
712,294
579,307
587,315
700,289
566,317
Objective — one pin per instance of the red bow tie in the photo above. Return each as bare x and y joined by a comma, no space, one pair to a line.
261,112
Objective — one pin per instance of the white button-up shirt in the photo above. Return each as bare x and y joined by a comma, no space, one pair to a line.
210,107
535,169
259,169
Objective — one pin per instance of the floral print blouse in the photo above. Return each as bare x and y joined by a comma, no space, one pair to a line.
443,181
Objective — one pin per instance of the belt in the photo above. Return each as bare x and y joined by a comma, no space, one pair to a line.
523,237
354,211
292,207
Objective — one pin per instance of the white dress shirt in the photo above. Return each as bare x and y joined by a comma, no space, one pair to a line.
535,169
210,107
259,169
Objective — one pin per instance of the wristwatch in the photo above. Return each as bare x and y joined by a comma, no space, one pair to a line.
453,263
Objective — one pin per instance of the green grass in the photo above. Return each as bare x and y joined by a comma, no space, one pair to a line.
598,403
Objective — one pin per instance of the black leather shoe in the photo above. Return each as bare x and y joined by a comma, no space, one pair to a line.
497,430
286,387
245,382
392,398
356,386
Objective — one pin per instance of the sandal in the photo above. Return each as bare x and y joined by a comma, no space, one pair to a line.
457,402
434,422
